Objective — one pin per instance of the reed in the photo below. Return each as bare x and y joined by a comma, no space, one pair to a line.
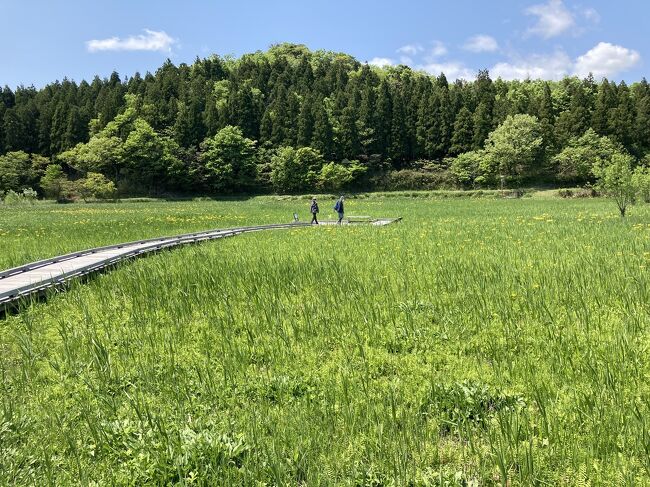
479,342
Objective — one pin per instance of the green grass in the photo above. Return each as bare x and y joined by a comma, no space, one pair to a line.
29,233
478,342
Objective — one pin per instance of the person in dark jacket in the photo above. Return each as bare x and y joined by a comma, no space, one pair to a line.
314,211
338,207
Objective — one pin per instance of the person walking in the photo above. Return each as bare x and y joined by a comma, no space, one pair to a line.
339,208
314,211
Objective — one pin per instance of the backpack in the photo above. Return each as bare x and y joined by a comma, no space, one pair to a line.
337,206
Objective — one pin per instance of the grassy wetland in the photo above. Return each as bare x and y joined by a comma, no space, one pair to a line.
479,342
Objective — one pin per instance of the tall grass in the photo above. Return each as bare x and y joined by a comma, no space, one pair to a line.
478,342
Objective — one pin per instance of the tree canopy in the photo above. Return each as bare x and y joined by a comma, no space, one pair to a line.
156,132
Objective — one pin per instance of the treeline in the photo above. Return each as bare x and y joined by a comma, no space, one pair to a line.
234,125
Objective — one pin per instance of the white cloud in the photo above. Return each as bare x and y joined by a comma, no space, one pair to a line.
438,49
410,49
381,62
151,40
453,70
551,67
553,19
592,15
606,60
481,43
410,52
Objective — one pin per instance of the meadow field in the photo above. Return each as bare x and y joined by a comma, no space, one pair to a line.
478,342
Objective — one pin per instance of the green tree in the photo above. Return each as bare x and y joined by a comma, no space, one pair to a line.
484,94
58,129
348,136
100,154
546,116
184,126
513,147
482,122
54,181
615,180
466,168
382,120
247,109
642,124
365,122
422,122
323,138
574,120
76,129
15,132
295,170
461,141
306,122
281,121
149,157
641,180
621,120
398,135
290,96
605,102
575,162
434,129
229,158
19,170
15,171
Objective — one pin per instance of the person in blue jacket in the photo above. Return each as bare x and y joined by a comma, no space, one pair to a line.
314,211
339,208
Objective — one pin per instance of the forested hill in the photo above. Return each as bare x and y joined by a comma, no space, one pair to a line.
386,119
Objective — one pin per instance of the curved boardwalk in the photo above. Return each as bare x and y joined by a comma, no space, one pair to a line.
34,278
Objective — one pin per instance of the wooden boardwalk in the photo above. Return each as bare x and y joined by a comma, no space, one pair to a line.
34,278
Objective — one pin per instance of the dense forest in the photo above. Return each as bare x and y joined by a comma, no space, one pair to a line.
291,120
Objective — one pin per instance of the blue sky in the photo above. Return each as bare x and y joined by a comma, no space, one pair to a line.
47,40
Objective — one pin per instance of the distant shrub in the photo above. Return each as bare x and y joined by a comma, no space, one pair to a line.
11,198
334,177
95,186
30,195
577,193
444,194
26,196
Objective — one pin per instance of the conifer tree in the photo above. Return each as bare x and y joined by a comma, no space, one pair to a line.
348,138
621,119
383,118
642,125
366,119
306,122
606,100
462,140
423,124
546,116
322,140
398,134
482,125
